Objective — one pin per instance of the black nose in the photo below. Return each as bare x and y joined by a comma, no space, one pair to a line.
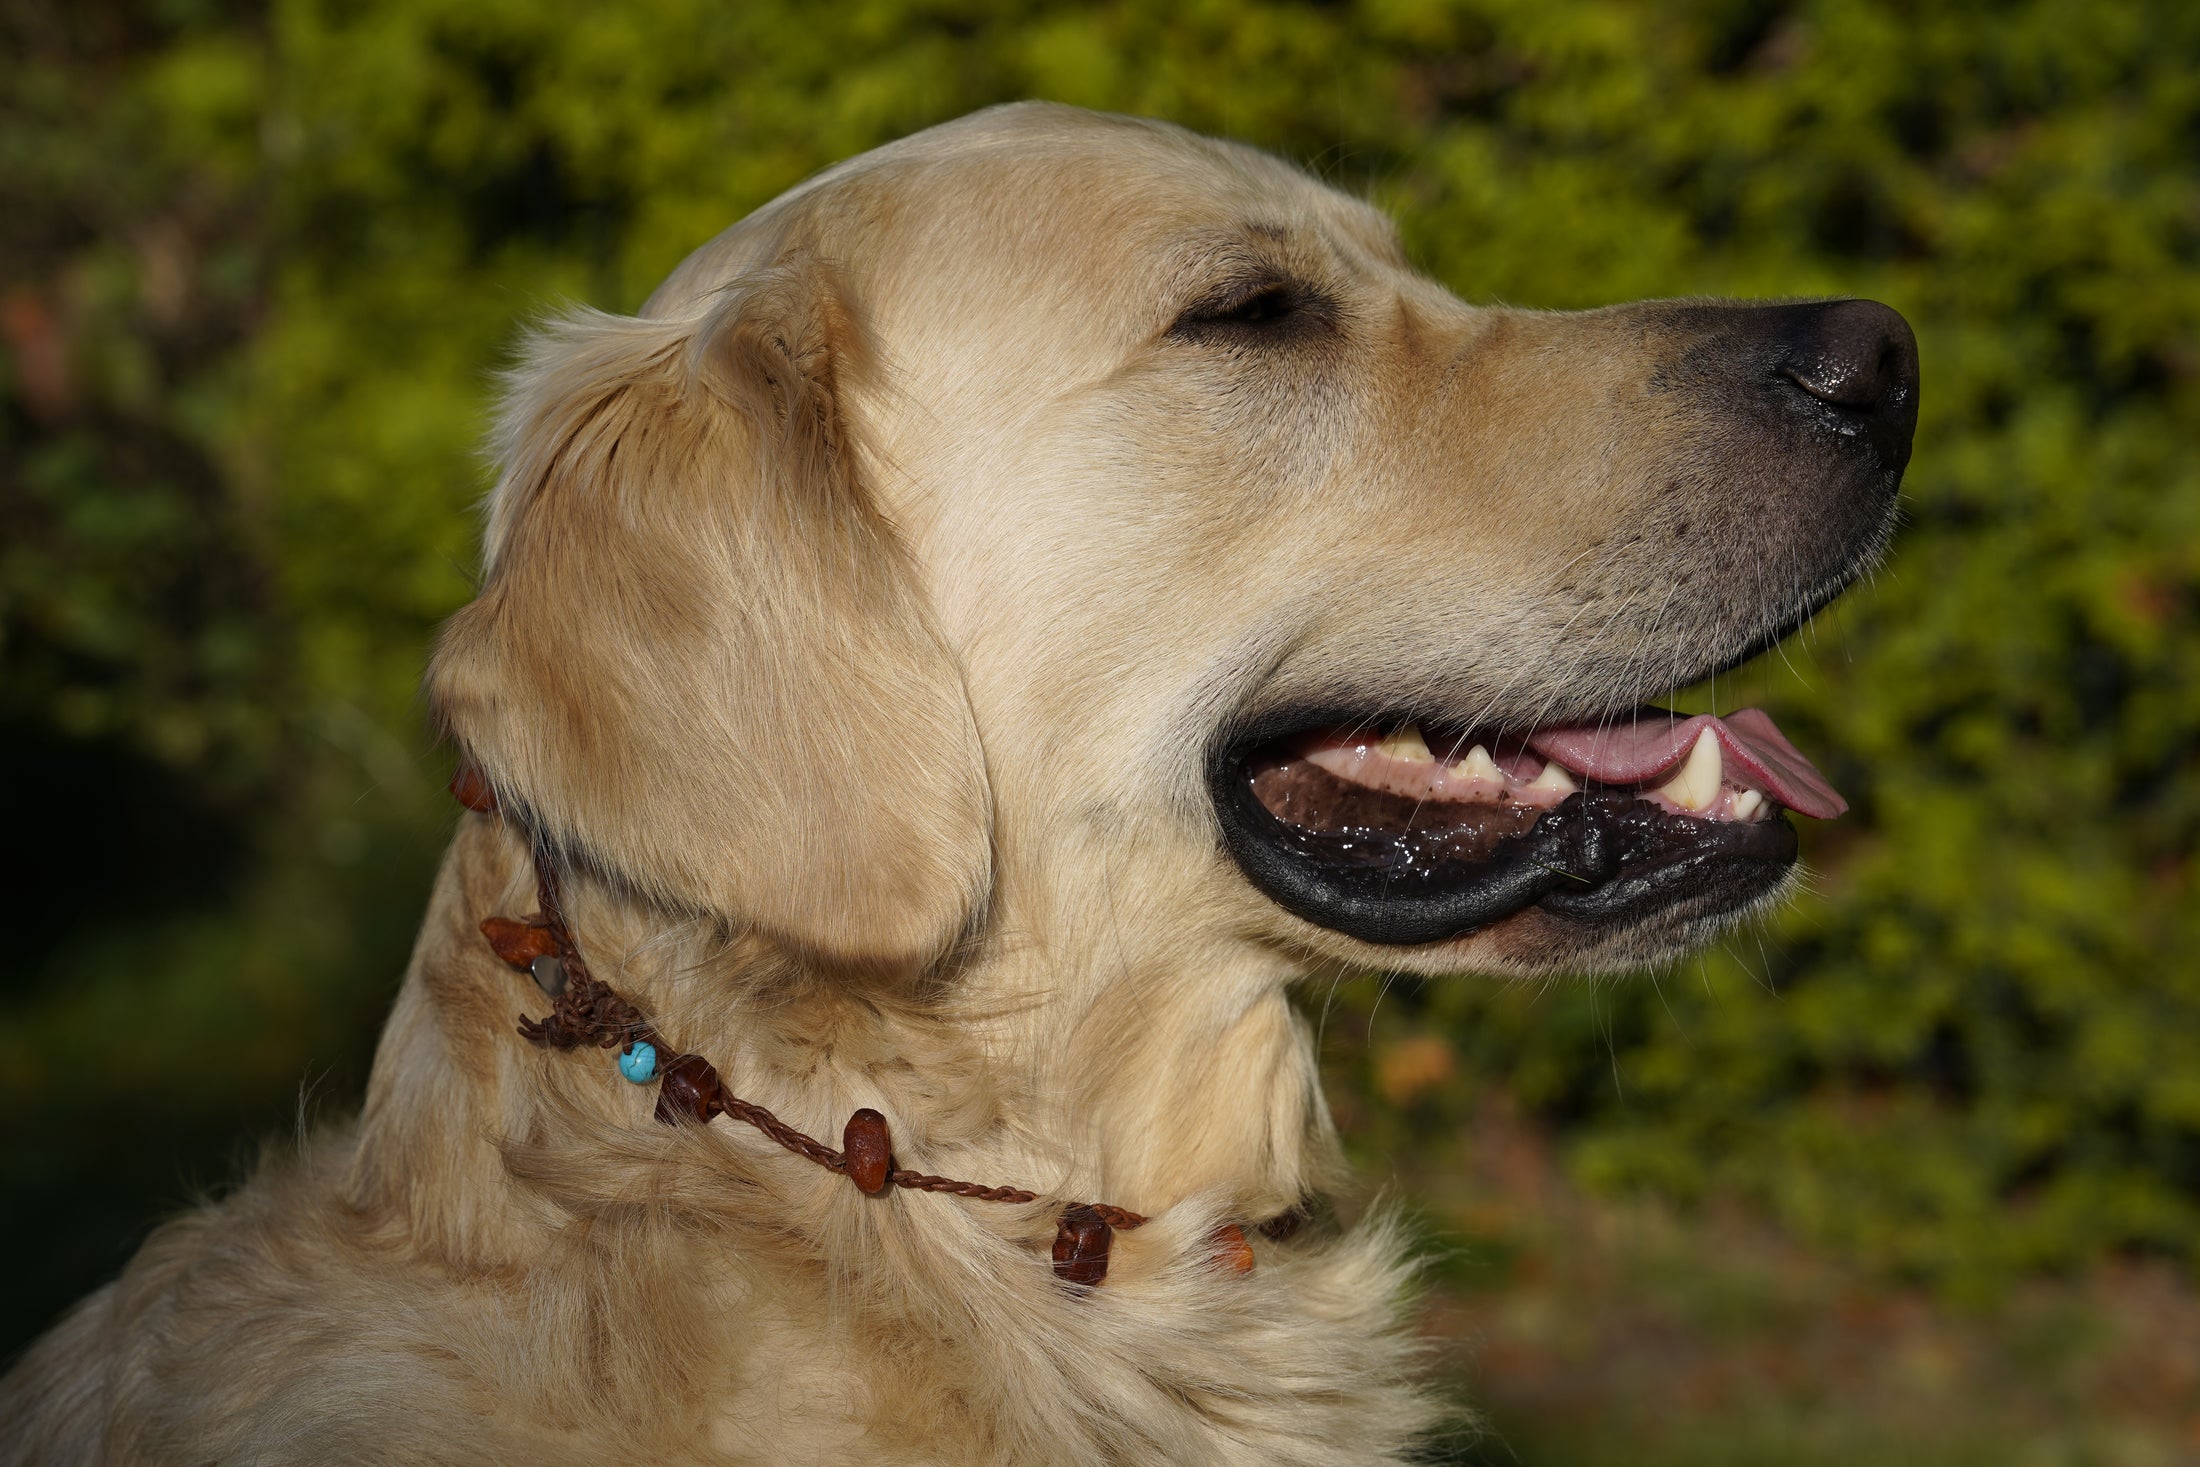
1858,358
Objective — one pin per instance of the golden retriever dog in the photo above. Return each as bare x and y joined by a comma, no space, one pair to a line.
1003,614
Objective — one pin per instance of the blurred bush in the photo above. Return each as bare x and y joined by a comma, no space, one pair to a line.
260,261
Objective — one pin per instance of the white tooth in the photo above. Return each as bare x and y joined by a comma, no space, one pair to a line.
1407,744
1478,765
1746,804
1554,777
1697,784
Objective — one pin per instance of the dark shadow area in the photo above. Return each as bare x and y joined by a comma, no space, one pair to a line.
83,1195
197,983
120,840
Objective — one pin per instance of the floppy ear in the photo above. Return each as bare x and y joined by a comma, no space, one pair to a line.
700,657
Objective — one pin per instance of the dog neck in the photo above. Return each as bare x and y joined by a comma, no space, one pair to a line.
1157,1082
709,1263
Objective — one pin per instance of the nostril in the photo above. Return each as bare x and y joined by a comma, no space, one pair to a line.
1842,384
1853,354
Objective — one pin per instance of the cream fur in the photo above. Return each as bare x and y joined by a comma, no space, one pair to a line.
856,619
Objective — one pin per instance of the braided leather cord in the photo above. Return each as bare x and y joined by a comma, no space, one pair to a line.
587,1011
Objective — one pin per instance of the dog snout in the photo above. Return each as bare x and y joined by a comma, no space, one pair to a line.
1859,359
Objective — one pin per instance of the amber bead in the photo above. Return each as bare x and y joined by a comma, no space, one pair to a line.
471,788
1233,1254
866,1152
687,1089
1081,1243
518,943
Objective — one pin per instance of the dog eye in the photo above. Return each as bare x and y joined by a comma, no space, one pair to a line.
1266,304
1270,306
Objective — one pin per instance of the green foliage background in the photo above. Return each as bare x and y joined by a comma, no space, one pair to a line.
261,260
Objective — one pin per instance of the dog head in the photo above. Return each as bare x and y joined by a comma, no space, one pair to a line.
1052,499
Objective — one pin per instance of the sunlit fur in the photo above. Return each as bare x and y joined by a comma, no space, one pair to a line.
856,624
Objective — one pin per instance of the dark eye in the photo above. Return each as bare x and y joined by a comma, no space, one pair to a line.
1269,303
1273,306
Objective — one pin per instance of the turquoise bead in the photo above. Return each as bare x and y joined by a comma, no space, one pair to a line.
639,1062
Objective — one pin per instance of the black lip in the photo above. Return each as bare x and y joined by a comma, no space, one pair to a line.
1600,860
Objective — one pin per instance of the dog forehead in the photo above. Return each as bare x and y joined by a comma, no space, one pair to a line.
1032,205
1045,202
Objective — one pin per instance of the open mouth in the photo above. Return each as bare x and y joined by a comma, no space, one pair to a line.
1411,833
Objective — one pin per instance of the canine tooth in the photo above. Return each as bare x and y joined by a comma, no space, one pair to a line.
1554,777
1407,744
1697,784
1747,804
1479,765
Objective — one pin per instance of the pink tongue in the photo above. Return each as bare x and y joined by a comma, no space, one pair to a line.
1650,746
